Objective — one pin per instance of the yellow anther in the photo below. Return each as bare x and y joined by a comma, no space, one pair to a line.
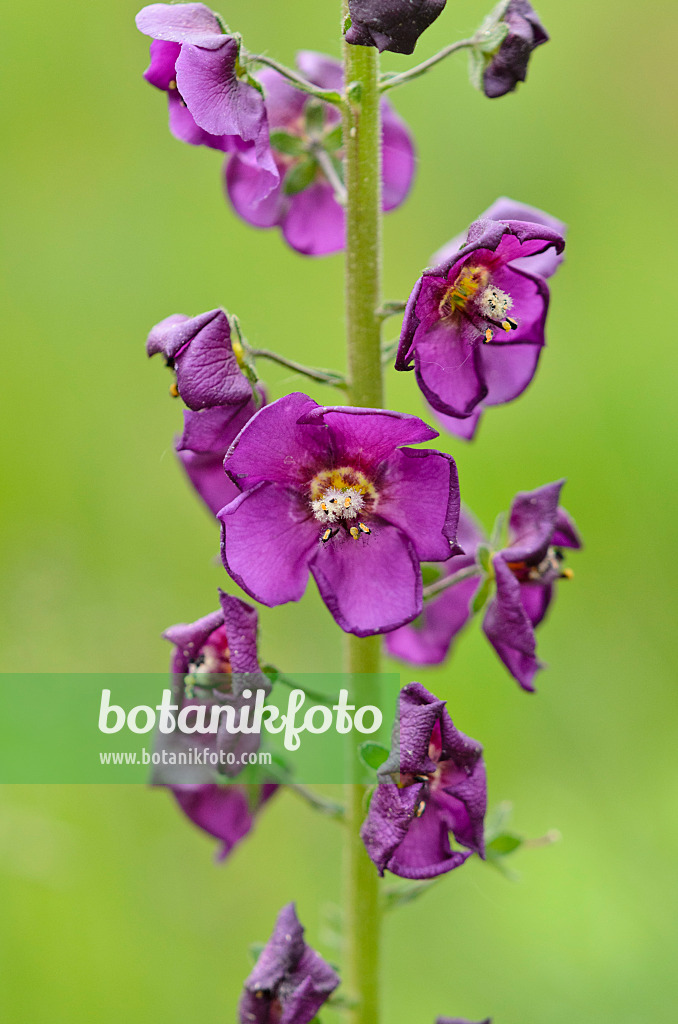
347,503
326,535
174,390
513,324
421,807
355,532
488,334
363,528
172,85
567,574
506,325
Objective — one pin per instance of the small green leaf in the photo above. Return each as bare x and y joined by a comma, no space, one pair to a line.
292,145
504,844
398,896
484,555
476,68
299,177
372,755
314,113
497,540
347,23
497,820
334,139
355,92
482,594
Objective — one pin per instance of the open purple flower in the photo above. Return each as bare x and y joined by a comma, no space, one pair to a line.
474,325
391,24
330,490
223,811
211,102
525,573
290,981
507,65
428,639
433,783
306,136
200,352
201,449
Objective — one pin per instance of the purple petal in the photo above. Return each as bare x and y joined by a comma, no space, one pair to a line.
565,534
275,446
425,851
252,198
183,127
545,263
536,598
371,584
311,983
366,437
281,954
189,638
161,71
267,540
448,368
398,159
508,369
323,71
284,103
509,629
315,224
221,811
391,24
181,23
206,473
212,431
532,523
461,427
420,495
220,102
241,622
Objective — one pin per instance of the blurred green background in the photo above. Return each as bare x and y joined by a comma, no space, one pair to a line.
112,907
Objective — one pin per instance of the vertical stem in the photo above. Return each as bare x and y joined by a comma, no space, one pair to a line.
362,148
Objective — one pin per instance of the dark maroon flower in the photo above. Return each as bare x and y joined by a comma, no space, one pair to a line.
474,325
202,447
525,573
332,491
211,101
427,640
306,136
200,351
391,24
225,811
433,783
290,981
506,65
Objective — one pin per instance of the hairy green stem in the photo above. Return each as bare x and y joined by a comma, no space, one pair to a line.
362,176
328,95
335,380
392,81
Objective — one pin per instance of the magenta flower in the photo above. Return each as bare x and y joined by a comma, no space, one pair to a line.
330,490
200,352
306,137
474,326
211,102
508,64
524,576
433,783
201,449
223,811
427,640
290,981
391,24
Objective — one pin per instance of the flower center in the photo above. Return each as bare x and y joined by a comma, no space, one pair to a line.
478,300
338,497
214,657
549,569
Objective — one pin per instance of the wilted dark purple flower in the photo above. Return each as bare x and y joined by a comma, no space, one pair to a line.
433,783
427,640
223,811
201,449
507,65
200,351
525,573
330,490
290,981
391,24
211,102
306,136
474,325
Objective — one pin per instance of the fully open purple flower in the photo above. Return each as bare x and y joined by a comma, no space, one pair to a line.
201,449
474,325
433,783
290,981
391,24
211,103
330,490
200,351
508,64
525,573
428,639
306,137
223,811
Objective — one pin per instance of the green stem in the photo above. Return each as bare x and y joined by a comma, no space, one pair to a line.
362,176
335,380
328,95
392,81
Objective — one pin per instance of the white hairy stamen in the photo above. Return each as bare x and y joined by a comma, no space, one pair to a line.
336,504
494,303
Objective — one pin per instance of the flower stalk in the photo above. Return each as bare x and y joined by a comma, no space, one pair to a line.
362,149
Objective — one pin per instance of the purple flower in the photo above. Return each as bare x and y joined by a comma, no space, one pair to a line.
428,639
290,981
433,783
211,102
201,449
214,663
330,490
506,65
474,324
524,576
391,24
307,138
200,352
525,573
223,811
